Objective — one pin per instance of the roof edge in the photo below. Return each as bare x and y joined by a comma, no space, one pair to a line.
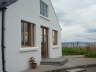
7,3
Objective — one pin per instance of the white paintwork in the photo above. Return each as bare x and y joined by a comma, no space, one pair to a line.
29,10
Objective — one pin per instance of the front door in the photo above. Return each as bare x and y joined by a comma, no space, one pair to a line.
44,42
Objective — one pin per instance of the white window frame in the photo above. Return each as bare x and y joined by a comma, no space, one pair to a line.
43,8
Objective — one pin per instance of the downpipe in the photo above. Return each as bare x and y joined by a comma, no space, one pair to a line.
3,10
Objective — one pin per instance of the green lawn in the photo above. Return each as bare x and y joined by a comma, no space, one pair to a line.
78,51
91,54
73,51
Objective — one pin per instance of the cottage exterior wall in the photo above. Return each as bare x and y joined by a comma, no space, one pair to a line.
28,10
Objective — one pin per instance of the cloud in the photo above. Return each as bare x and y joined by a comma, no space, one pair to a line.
91,30
77,18
70,33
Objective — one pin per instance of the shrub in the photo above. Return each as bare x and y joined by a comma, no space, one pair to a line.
91,54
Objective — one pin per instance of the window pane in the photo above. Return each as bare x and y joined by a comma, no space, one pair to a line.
55,37
43,8
33,38
27,34
22,35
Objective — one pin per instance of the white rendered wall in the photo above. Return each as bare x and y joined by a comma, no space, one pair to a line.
55,50
52,24
29,10
17,59
0,46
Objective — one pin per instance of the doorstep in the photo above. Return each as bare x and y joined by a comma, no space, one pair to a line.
54,61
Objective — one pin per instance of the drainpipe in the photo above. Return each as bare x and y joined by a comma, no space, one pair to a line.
3,8
3,39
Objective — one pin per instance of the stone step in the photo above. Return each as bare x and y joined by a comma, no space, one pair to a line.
54,61
76,70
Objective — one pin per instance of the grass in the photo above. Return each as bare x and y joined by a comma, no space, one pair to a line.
73,51
91,54
78,51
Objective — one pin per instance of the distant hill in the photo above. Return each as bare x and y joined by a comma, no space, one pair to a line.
78,43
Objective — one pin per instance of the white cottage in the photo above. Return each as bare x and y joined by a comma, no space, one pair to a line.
31,30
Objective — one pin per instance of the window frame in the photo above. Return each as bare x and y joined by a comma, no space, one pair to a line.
31,34
44,8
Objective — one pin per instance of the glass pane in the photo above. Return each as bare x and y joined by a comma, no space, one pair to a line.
33,35
22,34
55,37
46,10
43,8
26,34
45,36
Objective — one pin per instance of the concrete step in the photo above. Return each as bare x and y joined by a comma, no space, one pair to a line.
76,70
54,61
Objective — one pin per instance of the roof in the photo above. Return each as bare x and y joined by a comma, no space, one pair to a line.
5,3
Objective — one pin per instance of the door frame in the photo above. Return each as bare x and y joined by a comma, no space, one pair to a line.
42,36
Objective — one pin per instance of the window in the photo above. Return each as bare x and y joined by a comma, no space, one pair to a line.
55,37
27,34
43,8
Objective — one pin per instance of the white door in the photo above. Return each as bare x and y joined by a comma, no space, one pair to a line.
0,45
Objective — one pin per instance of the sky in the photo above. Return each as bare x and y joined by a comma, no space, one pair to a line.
77,19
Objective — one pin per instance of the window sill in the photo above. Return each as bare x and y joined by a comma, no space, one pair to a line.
29,49
55,47
46,18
